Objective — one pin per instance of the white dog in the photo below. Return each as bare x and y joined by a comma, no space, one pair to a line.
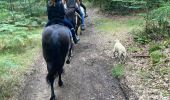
120,49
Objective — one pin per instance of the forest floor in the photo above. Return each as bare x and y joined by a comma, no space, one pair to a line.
89,76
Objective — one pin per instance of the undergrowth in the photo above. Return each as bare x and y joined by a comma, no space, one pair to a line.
118,71
107,25
20,42
16,55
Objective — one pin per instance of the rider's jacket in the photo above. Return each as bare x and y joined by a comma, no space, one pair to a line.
71,3
56,11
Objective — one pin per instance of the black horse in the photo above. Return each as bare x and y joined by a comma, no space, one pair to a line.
75,18
56,44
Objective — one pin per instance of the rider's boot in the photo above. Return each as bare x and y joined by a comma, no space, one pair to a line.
82,27
86,15
75,37
82,21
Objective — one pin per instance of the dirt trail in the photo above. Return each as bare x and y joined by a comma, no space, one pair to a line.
88,77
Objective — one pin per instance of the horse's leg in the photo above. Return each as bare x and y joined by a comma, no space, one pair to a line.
69,54
52,91
50,79
60,82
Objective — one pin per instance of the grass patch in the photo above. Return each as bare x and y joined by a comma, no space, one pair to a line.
155,46
156,56
118,71
134,49
14,64
156,51
140,37
3,15
20,43
119,25
12,69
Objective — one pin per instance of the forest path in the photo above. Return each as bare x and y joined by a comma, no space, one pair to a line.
88,77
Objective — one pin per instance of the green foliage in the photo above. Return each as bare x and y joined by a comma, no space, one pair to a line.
11,29
15,42
126,6
18,39
7,69
156,56
155,50
140,37
17,50
30,7
20,28
157,26
107,25
12,69
166,43
118,71
5,65
15,38
158,23
134,49
155,47
3,16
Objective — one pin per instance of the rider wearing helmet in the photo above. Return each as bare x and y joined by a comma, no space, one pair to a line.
71,4
56,15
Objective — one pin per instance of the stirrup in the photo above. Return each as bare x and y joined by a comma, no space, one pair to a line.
85,16
72,29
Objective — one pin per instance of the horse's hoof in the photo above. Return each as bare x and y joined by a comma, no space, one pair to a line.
60,83
68,62
52,98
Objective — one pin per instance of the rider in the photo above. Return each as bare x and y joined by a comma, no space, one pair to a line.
84,7
56,15
71,4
